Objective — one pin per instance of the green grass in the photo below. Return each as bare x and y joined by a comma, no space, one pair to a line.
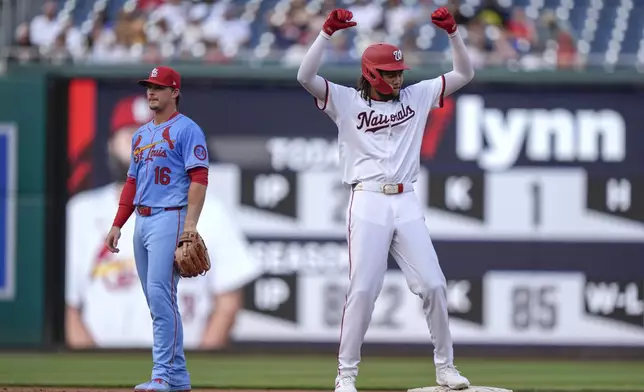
317,372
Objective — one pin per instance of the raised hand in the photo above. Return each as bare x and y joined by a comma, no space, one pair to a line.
338,19
443,19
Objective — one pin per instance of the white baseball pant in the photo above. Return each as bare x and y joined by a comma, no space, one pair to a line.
378,224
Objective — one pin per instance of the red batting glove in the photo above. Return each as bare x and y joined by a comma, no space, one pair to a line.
443,19
338,19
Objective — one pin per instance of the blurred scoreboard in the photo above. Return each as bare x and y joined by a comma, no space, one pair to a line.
535,204
532,256
566,204
533,195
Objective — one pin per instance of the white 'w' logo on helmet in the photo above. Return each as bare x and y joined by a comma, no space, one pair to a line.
154,73
398,55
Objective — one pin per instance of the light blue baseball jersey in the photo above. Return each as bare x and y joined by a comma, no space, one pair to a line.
161,157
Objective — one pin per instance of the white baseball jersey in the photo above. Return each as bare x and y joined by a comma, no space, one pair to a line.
381,143
106,287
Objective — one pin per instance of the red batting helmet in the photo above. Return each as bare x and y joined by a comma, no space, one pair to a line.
381,57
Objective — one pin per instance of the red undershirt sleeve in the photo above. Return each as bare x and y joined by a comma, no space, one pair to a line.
199,175
126,202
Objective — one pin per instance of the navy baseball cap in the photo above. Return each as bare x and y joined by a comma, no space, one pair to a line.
163,76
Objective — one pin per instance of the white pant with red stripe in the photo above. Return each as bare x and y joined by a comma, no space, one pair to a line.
378,224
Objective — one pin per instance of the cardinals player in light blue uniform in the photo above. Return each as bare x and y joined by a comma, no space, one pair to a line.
166,186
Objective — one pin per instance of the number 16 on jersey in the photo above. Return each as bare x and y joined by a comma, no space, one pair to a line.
162,175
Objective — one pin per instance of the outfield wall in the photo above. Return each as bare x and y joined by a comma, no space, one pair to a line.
533,191
23,194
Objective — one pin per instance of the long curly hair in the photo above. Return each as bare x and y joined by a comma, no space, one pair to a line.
364,87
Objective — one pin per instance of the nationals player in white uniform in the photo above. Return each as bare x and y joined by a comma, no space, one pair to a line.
105,304
380,128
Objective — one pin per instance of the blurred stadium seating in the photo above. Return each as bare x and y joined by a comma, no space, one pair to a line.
522,34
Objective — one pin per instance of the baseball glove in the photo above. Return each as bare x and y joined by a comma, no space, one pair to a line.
191,256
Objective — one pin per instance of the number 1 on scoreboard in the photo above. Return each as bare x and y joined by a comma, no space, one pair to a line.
536,193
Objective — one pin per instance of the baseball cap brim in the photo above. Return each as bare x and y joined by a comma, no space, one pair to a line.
393,67
145,82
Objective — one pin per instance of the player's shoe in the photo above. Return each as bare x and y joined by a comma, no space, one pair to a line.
345,384
448,376
156,385
142,387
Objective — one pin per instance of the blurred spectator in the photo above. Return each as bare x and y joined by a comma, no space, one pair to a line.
75,40
368,14
477,45
339,51
151,54
413,57
110,45
191,42
289,28
316,21
175,15
209,11
132,26
399,17
147,6
158,31
488,45
461,15
231,32
556,37
490,12
522,31
44,28
214,54
57,53
309,23
222,31
294,54
502,49
520,26
493,14
490,40
23,51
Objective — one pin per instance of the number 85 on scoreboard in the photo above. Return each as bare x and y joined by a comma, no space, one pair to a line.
531,307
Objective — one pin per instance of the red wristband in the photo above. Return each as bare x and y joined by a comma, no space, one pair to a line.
126,202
